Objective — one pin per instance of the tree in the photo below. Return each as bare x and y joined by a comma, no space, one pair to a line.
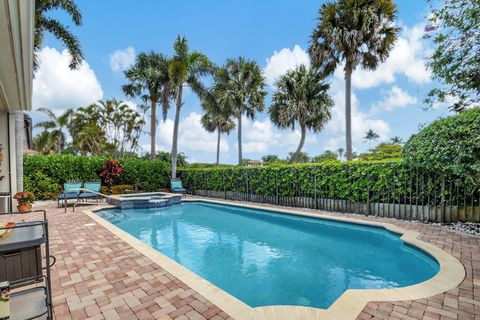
455,63
325,156
301,98
216,118
270,158
383,151
122,124
149,79
448,145
91,140
240,85
370,136
340,152
300,157
353,33
185,68
396,140
54,135
44,24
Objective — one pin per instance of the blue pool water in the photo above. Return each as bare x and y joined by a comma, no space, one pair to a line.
265,258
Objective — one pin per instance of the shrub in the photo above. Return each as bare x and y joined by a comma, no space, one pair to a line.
44,175
448,145
111,172
119,189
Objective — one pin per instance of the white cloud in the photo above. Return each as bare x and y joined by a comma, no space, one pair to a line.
58,87
393,99
131,104
192,137
261,136
281,62
120,60
406,58
361,121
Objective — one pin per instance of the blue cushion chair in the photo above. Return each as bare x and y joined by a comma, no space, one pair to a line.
176,186
71,190
92,190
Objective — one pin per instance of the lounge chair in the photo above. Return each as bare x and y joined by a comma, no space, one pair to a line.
92,190
176,186
71,190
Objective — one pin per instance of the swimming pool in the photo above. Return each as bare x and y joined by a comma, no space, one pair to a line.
264,258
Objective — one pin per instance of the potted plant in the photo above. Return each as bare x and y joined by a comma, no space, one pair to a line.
25,200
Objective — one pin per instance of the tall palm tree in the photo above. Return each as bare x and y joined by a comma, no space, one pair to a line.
353,33
370,136
240,84
54,135
44,23
216,118
396,140
186,68
340,152
301,98
148,79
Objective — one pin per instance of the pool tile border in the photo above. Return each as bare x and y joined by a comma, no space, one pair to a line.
346,307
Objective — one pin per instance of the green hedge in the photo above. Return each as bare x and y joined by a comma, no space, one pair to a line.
387,182
44,175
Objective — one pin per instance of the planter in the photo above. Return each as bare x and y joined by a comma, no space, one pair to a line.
24,207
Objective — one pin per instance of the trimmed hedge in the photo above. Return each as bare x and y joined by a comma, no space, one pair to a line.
386,182
44,175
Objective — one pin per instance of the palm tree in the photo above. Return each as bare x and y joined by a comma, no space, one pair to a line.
54,136
44,23
240,85
185,68
396,140
353,33
91,140
370,136
148,79
301,98
340,152
216,118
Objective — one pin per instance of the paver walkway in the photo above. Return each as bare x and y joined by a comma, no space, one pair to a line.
99,276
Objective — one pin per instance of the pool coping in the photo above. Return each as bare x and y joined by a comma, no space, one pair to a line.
346,307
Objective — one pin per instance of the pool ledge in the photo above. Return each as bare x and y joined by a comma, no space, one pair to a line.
346,307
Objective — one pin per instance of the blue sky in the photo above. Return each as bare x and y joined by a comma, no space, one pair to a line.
274,33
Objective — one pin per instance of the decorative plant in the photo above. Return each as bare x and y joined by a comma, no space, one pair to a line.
24,197
110,171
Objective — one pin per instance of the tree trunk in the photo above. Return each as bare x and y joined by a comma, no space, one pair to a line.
239,116
153,130
175,133
218,147
348,111
300,145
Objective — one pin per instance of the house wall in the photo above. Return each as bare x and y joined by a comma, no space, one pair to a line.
8,164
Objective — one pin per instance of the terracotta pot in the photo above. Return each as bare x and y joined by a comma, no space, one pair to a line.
24,207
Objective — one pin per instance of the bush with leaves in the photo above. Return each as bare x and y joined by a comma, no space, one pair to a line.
448,145
44,175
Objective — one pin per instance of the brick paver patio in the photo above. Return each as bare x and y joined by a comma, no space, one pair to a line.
99,276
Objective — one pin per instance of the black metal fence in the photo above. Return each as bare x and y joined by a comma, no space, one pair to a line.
403,193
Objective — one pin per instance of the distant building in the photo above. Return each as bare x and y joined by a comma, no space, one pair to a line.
254,163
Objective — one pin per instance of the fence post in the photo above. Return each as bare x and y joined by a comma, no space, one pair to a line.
248,192
368,192
315,190
276,187
442,218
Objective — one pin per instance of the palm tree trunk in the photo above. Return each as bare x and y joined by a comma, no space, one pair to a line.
239,116
300,145
218,147
175,132
348,111
153,130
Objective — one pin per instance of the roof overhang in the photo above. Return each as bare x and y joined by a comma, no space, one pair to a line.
16,54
